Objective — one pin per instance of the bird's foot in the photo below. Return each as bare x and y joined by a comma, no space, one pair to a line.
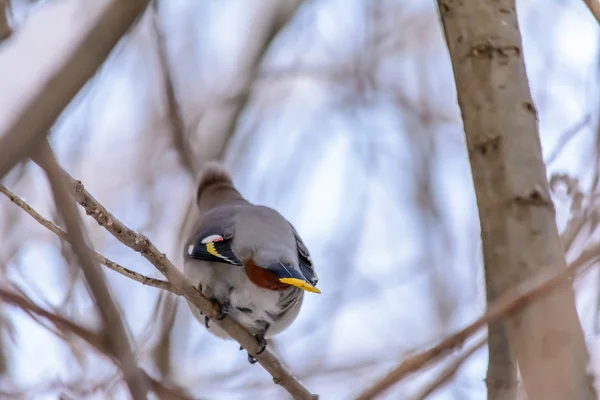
263,343
224,309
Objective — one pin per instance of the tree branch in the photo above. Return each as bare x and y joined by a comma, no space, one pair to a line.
94,339
275,19
508,303
184,151
60,83
58,231
451,370
113,326
594,7
142,245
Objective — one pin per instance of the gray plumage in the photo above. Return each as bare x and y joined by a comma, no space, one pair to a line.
234,240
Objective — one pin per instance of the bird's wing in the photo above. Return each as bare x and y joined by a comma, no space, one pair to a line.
304,260
213,239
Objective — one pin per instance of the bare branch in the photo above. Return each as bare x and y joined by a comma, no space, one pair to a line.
281,15
144,280
114,328
594,7
508,303
60,83
96,340
93,338
186,155
451,370
142,245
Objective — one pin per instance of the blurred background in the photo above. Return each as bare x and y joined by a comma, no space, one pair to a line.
340,114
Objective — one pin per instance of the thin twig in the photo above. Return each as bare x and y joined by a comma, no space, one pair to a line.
159,260
114,327
61,83
510,302
58,231
450,370
280,18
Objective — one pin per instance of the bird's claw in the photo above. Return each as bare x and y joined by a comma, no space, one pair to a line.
263,342
223,311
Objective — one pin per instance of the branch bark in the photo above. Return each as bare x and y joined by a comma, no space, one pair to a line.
517,217
515,299
113,326
61,83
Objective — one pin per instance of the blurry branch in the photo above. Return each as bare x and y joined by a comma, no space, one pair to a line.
113,325
566,137
510,302
96,340
142,245
275,19
5,30
175,117
144,280
166,310
517,217
451,370
579,216
594,7
60,83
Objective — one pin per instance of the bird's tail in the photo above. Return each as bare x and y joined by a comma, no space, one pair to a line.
213,173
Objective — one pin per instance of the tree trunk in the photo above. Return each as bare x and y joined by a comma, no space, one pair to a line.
502,374
517,217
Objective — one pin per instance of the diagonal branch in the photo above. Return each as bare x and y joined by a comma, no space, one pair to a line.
113,326
159,260
260,43
133,239
594,6
450,370
511,301
60,83
58,231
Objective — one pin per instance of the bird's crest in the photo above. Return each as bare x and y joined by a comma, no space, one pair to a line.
213,173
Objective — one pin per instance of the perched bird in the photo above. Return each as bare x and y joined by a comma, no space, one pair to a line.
247,258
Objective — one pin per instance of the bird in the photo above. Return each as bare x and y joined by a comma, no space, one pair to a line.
247,258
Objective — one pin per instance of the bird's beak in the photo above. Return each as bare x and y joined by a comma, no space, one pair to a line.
290,275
